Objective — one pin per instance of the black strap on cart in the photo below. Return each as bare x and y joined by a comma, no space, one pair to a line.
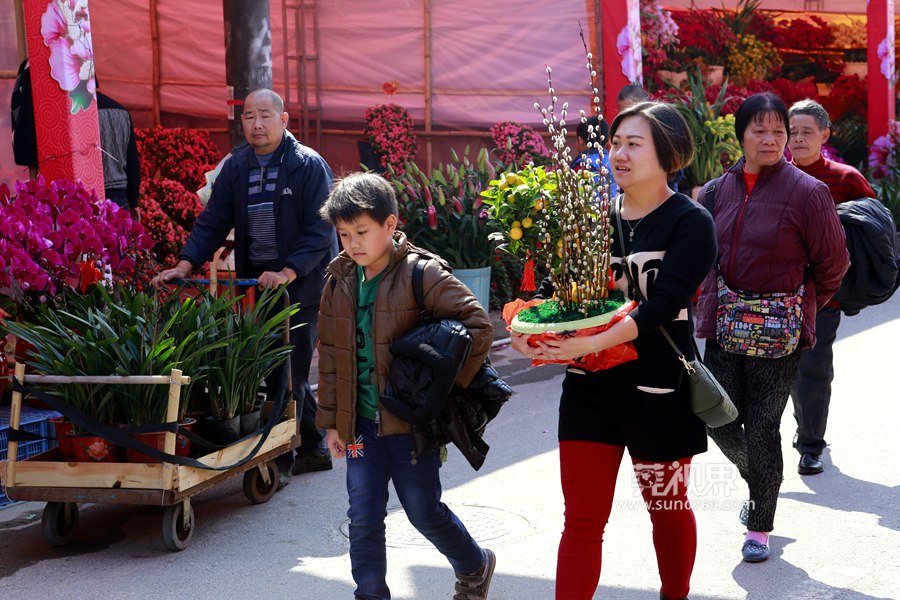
121,436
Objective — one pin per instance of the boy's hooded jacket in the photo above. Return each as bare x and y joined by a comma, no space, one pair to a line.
395,314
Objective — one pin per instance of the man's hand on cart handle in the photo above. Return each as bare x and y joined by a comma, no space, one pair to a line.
179,271
335,445
274,279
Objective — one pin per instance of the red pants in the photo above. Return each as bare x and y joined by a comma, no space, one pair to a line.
589,472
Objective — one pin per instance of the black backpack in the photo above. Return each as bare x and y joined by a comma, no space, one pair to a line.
874,272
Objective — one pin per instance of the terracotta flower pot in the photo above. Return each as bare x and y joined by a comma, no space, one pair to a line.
157,440
64,435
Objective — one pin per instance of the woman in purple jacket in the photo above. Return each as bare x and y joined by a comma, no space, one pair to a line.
776,228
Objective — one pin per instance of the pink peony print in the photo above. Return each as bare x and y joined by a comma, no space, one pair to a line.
66,31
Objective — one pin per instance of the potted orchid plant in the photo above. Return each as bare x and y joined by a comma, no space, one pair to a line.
57,237
443,212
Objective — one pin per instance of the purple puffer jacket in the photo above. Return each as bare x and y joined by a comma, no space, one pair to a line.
787,226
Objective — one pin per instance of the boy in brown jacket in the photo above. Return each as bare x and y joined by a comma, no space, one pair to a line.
367,303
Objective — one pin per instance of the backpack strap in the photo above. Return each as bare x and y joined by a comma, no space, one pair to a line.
418,277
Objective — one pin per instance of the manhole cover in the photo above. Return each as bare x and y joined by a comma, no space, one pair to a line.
485,523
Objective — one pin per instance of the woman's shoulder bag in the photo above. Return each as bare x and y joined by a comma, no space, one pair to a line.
709,400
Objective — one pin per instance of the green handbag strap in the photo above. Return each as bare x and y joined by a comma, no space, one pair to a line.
637,290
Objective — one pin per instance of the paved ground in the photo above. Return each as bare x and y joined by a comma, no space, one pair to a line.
837,536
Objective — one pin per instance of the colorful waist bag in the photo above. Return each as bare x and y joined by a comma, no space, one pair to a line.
766,325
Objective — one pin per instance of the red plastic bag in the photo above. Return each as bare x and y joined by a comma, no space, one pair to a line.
598,361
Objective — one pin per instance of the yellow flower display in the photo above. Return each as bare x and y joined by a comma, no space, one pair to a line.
751,58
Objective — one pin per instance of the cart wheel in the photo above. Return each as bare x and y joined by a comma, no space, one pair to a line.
58,522
255,487
175,535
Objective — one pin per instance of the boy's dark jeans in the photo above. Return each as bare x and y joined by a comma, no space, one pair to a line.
372,462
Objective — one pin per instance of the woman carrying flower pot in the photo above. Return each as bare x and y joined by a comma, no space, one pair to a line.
781,248
641,405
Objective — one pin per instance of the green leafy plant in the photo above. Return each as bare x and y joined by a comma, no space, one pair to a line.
221,346
118,332
715,143
248,347
522,204
746,18
442,211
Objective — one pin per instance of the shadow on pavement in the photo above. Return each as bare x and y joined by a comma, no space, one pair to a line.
834,489
785,581
869,318
512,587
527,424
22,545
122,532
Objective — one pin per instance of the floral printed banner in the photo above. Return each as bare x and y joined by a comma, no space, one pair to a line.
63,86
882,68
66,30
628,44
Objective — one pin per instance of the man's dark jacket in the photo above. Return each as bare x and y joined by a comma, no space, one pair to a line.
306,243
874,255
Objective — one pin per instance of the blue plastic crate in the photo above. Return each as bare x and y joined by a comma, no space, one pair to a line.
33,420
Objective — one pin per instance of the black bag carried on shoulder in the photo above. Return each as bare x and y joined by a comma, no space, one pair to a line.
709,400
420,386
426,363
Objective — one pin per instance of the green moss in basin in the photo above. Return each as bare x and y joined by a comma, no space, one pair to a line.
551,312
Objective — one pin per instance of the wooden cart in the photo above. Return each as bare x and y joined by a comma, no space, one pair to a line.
63,485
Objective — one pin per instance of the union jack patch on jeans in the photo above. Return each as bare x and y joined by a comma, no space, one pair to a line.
355,450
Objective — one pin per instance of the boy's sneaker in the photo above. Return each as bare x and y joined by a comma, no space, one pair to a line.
310,461
475,586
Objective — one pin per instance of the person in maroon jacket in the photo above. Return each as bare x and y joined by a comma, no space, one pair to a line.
810,128
776,228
